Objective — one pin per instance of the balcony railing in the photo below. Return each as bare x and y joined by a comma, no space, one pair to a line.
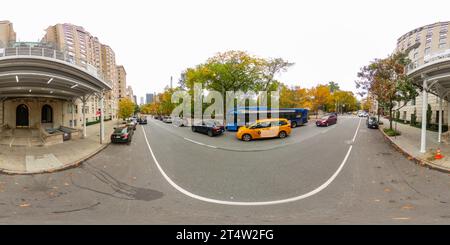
52,54
428,59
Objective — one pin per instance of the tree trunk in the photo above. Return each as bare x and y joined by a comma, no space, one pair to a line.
390,117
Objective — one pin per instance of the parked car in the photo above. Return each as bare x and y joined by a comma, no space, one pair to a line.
157,117
372,122
326,121
267,128
180,122
211,128
122,135
167,119
363,114
132,124
142,120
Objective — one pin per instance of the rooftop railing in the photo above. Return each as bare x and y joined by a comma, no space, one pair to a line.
429,59
52,54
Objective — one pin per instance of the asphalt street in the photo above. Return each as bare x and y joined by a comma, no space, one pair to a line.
315,176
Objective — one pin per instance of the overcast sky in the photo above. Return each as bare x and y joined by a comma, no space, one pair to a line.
327,40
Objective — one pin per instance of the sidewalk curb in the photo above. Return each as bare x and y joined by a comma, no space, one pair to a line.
74,164
419,161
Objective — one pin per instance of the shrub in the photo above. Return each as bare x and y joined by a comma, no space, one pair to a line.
391,132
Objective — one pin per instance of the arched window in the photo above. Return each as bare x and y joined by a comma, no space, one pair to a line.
22,116
47,114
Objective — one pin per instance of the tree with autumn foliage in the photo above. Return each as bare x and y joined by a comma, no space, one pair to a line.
386,79
126,108
320,97
294,97
344,101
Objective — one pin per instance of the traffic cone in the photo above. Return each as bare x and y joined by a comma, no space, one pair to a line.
438,155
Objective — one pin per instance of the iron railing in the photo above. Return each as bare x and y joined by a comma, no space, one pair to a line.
53,54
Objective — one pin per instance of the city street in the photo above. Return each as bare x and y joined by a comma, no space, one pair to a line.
343,174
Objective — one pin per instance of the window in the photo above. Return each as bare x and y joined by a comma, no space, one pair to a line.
427,51
416,55
47,114
442,45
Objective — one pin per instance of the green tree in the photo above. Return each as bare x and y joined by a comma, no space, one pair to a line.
235,71
126,108
333,86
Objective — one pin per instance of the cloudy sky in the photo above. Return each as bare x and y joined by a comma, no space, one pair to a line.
154,40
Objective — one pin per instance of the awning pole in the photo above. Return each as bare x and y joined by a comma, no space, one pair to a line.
440,120
423,138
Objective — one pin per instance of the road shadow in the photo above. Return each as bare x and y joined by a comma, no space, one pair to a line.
119,189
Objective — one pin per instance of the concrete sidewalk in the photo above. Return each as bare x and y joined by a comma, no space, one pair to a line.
42,159
409,143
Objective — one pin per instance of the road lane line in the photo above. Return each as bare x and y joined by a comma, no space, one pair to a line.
200,143
357,130
265,203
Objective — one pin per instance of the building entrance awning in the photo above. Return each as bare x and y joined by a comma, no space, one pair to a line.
33,74
432,77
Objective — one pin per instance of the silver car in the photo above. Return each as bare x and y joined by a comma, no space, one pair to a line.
180,122
167,119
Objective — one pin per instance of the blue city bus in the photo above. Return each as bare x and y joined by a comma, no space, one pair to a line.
246,115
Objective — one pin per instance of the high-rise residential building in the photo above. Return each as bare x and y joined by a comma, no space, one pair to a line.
83,49
7,34
130,94
110,73
142,101
425,45
122,82
135,99
79,45
149,98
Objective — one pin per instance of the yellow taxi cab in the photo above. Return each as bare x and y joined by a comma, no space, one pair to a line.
266,128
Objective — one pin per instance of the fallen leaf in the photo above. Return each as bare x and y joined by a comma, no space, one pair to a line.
402,218
387,190
408,207
66,184
25,205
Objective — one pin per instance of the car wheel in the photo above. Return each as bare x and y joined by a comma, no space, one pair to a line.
328,124
193,129
210,133
294,125
282,134
246,137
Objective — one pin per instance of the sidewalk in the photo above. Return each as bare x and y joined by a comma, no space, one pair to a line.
409,143
42,159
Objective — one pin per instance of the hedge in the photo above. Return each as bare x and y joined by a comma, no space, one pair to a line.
431,127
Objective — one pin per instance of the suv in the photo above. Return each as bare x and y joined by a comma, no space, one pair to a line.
142,120
372,122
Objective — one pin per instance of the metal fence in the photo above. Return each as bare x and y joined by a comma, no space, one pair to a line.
51,54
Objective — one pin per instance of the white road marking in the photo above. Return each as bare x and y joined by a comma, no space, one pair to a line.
216,201
200,143
357,130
